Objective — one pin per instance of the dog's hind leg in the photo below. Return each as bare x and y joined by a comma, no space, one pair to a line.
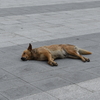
87,59
70,56
73,53
84,59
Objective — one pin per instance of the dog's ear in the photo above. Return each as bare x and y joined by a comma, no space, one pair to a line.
30,47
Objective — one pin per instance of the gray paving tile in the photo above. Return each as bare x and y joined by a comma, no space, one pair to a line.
71,92
93,96
3,98
79,66
47,8
10,58
29,68
95,70
94,37
19,92
39,96
11,61
6,44
72,40
10,86
30,77
91,85
76,76
51,83
13,49
81,41
5,76
12,83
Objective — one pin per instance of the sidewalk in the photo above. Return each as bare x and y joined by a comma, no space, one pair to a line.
46,23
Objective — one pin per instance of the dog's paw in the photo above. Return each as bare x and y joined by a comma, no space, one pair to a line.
55,64
88,60
52,63
84,60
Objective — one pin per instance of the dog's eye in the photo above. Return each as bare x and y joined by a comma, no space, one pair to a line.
24,53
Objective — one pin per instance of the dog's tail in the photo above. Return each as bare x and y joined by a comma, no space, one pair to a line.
84,52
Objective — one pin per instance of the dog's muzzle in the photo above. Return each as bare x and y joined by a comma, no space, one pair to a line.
24,59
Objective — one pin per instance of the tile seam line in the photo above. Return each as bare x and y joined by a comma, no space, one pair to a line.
59,88
52,5
44,79
21,5
48,8
23,81
53,39
3,96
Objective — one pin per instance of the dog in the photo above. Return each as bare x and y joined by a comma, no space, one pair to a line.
52,52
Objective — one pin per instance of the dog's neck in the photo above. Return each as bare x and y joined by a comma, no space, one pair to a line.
33,54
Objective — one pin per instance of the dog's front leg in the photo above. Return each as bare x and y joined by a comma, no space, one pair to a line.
50,59
52,63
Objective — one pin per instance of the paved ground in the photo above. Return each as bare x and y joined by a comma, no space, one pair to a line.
43,22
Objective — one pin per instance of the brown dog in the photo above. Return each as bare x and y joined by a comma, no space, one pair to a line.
53,52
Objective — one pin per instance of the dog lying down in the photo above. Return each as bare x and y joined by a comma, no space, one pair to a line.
52,52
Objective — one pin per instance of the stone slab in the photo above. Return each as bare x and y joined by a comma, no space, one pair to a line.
48,8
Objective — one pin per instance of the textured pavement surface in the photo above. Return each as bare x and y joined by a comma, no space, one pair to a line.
43,22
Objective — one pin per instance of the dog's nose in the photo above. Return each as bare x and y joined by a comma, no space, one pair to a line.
24,59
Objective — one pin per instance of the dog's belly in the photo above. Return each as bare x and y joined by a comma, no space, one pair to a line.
42,57
58,54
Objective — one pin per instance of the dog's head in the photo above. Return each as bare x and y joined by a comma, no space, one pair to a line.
27,54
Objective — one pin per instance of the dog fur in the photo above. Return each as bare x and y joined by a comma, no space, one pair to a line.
52,52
